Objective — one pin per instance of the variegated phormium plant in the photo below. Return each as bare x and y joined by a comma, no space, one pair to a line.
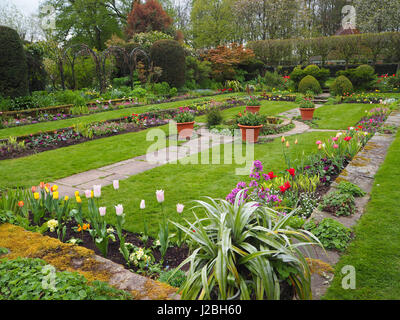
244,251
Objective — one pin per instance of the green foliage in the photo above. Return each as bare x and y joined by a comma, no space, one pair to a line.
251,119
298,74
274,80
361,77
37,75
3,251
341,86
197,72
214,117
174,278
237,252
309,83
121,82
13,66
21,279
350,188
340,204
170,57
331,233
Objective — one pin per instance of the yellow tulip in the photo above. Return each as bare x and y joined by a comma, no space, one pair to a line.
76,193
55,195
66,198
78,199
320,147
296,142
92,194
287,144
283,139
36,195
47,189
55,188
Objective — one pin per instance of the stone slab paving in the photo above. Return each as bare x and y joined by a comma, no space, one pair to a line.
360,171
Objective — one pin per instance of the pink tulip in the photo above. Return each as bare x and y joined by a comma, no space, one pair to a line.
179,208
116,184
119,210
160,196
88,194
335,146
319,142
97,191
142,204
102,211
335,139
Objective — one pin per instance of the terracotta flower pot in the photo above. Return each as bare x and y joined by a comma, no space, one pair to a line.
307,113
250,133
253,109
185,129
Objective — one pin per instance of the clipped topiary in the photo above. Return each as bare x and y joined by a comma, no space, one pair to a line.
13,66
365,76
309,83
312,70
342,86
170,57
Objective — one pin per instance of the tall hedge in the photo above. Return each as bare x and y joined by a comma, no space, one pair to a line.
13,65
170,57
351,48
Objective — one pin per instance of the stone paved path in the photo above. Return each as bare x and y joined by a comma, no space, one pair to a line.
105,176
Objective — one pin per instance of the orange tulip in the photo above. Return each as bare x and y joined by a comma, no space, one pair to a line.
42,185
20,204
33,189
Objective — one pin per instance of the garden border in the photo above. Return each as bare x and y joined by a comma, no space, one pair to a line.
360,171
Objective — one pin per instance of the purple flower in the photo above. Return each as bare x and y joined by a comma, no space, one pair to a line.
253,184
258,165
241,185
266,177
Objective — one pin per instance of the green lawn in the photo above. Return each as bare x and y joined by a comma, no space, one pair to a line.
63,162
54,125
341,116
185,183
375,252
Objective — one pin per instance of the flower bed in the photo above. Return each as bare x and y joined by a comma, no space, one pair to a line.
16,147
32,116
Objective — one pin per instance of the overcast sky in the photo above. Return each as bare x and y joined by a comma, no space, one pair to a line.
27,6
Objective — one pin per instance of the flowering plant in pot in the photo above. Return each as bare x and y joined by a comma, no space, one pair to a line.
250,124
253,105
185,122
307,108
